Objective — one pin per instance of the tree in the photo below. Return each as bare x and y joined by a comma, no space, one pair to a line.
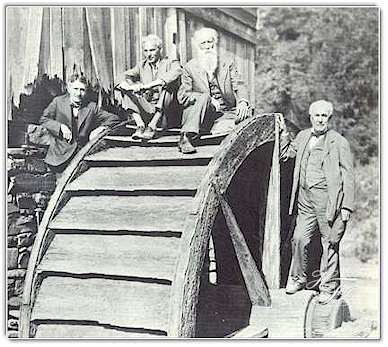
305,54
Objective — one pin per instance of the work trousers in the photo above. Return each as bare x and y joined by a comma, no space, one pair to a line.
311,219
201,116
166,103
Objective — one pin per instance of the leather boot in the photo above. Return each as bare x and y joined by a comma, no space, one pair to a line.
185,145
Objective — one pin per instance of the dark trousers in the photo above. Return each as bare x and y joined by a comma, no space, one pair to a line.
312,220
201,117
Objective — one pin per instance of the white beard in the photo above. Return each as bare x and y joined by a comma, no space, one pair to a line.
209,61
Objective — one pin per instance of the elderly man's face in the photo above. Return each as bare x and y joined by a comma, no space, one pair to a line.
151,51
77,91
320,121
206,43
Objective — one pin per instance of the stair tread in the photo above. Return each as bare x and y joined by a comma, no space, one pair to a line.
139,153
119,255
139,178
170,138
89,331
115,302
114,213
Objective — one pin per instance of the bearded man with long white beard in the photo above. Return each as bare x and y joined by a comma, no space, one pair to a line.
213,96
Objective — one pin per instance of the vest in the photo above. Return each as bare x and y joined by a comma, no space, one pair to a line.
311,170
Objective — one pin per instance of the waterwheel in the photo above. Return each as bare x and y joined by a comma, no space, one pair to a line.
140,241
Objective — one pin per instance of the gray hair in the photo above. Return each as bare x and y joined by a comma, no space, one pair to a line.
210,32
153,38
321,106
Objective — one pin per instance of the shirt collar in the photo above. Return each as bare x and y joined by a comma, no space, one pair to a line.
318,134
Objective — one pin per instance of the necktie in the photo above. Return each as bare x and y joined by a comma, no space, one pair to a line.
74,121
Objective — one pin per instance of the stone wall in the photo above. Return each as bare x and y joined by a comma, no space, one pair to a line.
22,229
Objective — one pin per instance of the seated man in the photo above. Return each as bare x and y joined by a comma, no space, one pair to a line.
211,94
72,121
151,88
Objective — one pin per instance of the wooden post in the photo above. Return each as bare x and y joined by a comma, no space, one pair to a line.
271,247
182,36
171,33
257,289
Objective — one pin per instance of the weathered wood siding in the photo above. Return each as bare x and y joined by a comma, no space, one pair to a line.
103,42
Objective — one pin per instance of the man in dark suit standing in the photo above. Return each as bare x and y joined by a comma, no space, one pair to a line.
72,121
151,89
212,94
323,187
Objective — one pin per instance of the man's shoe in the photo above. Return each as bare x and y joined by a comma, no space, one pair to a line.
148,133
138,133
185,146
294,286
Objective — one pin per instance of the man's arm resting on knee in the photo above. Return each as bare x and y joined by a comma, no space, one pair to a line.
48,121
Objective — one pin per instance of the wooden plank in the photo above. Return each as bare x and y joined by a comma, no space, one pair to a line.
182,37
271,248
120,255
256,286
149,154
224,22
245,17
285,317
170,33
172,139
132,213
116,302
132,179
82,330
251,331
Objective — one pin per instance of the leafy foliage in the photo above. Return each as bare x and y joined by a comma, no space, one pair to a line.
306,54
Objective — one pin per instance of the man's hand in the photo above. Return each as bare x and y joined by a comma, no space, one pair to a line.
66,132
243,111
125,85
345,214
216,104
135,88
96,132
280,120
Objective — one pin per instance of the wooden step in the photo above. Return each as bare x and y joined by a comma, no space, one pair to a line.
169,140
131,213
132,179
119,303
84,330
150,156
117,255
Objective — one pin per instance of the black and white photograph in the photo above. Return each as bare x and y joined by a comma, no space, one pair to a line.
192,172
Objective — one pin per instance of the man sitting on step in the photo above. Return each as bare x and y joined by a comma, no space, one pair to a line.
72,120
213,96
149,89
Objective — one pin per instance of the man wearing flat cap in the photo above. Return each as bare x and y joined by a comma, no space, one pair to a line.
323,192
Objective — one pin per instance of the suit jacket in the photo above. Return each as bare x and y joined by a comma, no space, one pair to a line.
337,166
169,71
59,112
194,80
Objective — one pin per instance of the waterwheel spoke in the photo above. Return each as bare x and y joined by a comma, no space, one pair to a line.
257,289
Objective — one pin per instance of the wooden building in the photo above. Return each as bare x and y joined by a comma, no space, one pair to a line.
105,41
